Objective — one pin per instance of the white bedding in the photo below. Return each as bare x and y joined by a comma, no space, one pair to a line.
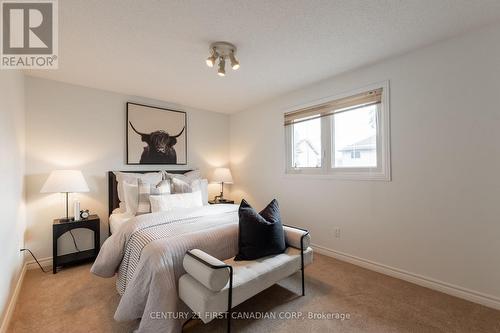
116,220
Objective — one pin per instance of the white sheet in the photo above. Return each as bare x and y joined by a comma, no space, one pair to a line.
116,220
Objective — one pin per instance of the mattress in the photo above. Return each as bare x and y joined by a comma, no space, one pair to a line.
116,220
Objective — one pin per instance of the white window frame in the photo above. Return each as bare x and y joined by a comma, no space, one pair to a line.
383,169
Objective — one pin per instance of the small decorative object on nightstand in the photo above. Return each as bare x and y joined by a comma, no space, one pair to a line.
222,175
60,227
84,214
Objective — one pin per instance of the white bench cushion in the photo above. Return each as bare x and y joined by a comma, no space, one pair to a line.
249,279
213,279
293,236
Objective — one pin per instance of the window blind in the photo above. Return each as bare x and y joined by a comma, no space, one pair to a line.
364,99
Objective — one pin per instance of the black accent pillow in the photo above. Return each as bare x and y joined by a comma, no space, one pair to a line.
260,234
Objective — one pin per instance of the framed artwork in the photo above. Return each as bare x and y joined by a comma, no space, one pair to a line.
156,135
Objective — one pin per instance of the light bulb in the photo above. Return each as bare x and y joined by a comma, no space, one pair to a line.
234,63
211,60
222,67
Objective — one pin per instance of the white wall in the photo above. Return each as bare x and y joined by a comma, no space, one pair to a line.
12,223
71,126
439,217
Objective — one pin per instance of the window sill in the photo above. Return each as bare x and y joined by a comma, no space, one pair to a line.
339,176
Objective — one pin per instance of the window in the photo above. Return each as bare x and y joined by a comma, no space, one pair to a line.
355,132
346,137
307,144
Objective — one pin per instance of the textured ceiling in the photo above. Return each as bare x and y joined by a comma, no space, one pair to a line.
157,49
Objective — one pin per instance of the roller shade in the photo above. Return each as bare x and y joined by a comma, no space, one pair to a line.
364,99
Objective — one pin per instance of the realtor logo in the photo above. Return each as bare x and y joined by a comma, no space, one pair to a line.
29,34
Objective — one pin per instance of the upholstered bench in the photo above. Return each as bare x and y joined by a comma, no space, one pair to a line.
211,286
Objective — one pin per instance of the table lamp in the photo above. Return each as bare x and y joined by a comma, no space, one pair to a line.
65,181
222,175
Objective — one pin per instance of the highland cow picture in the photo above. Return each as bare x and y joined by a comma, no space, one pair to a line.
155,135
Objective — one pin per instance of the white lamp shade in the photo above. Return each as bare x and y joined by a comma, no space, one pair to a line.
222,175
71,181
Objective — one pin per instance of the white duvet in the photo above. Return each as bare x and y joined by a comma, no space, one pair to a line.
147,253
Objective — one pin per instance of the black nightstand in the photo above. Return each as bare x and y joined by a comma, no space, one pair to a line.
59,228
214,202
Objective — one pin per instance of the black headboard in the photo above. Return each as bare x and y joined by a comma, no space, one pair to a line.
113,201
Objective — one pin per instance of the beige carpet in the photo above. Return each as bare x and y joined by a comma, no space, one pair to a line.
75,301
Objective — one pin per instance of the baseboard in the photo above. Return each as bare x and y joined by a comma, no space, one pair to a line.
45,262
13,300
444,287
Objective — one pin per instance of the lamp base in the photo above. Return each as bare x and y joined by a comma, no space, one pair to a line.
222,200
66,219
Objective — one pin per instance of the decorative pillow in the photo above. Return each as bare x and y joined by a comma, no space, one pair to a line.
201,185
184,185
187,177
164,203
180,185
131,194
128,177
146,190
260,234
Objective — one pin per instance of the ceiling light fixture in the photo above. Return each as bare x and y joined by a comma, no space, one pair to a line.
222,51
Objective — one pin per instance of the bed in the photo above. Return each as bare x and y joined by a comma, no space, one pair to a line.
145,253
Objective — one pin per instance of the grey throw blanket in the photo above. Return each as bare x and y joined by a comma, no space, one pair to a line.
147,253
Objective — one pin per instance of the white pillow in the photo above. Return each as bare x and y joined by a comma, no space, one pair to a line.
201,185
131,194
187,177
127,177
191,175
145,190
181,186
165,203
